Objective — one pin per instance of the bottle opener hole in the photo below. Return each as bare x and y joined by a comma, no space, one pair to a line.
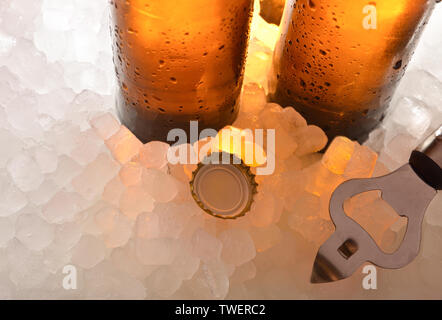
348,249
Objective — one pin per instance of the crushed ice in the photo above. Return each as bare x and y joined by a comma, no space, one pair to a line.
76,188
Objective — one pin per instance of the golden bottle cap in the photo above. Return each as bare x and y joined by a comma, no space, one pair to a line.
224,191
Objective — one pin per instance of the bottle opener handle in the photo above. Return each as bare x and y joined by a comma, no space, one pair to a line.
409,190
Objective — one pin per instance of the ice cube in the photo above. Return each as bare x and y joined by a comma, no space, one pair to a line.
113,191
12,199
91,182
156,252
7,42
130,174
393,236
81,76
380,170
87,147
56,103
105,281
53,43
7,231
105,125
87,103
124,145
11,146
376,139
314,229
28,269
164,282
106,218
67,169
134,201
35,233
271,116
310,139
421,85
258,61
362,163
148,226
265,238
88,252
206,246
292,185
7,290
245,272
52,91
383,213
412,115
263,211
63,137
120,233
253,98
124,259
62,207
169,219
398,149
286,144
185,264
27,13
47,159
25,172
376,217
154,155
360,201
67,235
307,205
321,181
31,67
211,280
238,246
338,155
163,187
294,117
56,258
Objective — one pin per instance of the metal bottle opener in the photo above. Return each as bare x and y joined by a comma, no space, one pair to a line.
409,190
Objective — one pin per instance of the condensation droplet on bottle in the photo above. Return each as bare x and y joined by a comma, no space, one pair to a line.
397,65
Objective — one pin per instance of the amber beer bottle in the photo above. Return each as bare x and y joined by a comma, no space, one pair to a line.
178,61
271,10
338,62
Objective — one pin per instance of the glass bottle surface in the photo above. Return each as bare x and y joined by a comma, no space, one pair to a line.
338,62
271,10
178,61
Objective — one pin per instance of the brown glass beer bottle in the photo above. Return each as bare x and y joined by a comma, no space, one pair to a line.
178,61
271,10
338,62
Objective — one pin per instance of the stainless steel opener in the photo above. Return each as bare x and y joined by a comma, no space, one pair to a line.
409,190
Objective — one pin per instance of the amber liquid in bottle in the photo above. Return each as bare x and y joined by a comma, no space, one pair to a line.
334,70
271,10
178,61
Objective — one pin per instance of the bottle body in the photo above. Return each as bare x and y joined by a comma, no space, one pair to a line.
179,61
271,10
339,62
